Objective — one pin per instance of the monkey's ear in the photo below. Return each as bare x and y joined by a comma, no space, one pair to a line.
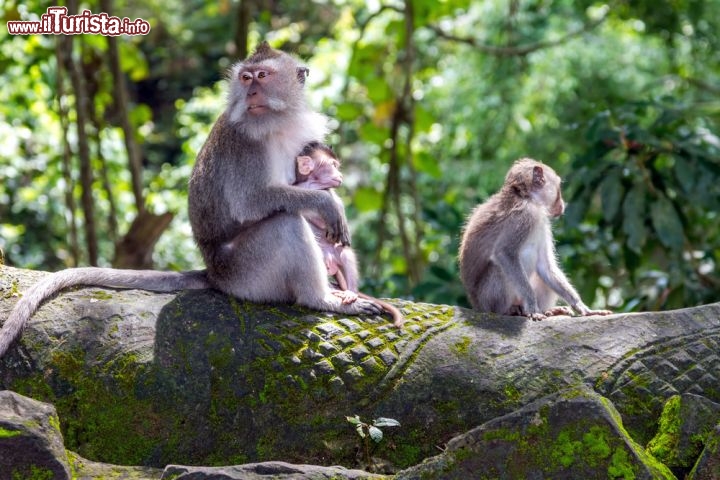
305,164
538,176
302,74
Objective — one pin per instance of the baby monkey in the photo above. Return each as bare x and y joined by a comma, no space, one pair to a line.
318,168
507,254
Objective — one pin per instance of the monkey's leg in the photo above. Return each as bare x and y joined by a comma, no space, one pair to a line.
324,298
279,260
547,299
492,293
344,294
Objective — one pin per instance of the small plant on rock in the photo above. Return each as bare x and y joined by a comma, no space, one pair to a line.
371,431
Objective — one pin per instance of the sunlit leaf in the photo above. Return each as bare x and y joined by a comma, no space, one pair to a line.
367,199
375,433
426,163
347,111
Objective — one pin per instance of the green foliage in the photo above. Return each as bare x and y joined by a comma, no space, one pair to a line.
431,102
371,431
647,183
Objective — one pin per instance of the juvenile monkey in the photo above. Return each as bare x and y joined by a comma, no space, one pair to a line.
244,212
507,254
318,168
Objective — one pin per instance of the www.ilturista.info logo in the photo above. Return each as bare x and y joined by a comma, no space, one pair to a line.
57,22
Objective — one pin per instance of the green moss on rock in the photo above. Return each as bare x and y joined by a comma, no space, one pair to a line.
664,446
5,433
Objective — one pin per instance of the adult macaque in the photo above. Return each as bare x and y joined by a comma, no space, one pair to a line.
245,214
318,168
507,253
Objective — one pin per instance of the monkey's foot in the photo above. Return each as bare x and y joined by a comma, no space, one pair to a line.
586,312
359,307
560,310
536,317
346,296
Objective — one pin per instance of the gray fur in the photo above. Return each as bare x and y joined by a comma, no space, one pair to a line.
246,218
245,214
339,260
508,263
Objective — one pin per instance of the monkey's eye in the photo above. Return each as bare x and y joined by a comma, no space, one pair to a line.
246,77
262,74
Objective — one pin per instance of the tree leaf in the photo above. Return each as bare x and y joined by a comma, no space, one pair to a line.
575,210
429,164
367,199
354,420
611,193
386,422
375,433
633,223
685,173
667,224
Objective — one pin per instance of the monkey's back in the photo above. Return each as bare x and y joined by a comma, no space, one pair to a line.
221,180
497,220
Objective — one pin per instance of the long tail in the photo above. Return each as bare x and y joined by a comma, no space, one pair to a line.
101,277
395,313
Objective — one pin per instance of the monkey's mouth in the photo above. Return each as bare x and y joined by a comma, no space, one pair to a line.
257,108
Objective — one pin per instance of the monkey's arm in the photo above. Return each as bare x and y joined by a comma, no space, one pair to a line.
291,199
349,270
554,277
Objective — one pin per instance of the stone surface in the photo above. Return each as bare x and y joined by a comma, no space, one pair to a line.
570,435
87,470
31,445
267,471
199,378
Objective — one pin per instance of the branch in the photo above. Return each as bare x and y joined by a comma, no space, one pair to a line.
121,103
82,108
516,50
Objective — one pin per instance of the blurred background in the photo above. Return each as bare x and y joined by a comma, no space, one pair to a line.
431,102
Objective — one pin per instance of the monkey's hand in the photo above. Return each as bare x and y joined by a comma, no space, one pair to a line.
536,317
583,310
345,295
336,227
559,310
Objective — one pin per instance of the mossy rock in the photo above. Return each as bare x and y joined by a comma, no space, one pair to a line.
570,435
200,378
685,427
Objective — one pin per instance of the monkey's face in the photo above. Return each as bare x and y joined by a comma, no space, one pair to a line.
266,89
326,172
543,184
550,195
